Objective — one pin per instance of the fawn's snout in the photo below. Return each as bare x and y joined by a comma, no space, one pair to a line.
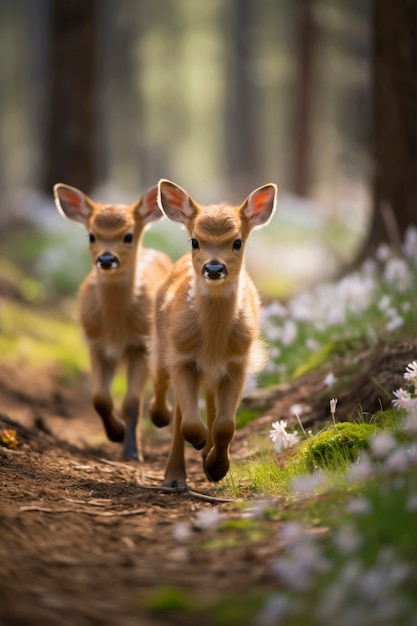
107,261
214,270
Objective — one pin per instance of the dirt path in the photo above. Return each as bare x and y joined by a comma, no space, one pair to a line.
89,540
84,537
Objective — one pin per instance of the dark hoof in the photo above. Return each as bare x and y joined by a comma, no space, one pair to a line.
175,484
215,474
130,455
115,432
160,420
200,446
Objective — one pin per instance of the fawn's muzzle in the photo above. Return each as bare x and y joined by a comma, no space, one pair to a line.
107,261
214,270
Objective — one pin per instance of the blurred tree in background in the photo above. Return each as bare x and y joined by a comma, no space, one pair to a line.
221,96
70,153
394,121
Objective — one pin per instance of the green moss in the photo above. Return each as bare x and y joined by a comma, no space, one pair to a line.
337,446
169,599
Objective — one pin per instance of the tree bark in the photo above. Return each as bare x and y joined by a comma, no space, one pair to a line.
71,131
242,144
306,46
394,141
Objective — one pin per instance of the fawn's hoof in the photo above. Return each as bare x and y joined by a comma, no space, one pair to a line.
130,452
196,434
178,485
160,418
115,431
215,469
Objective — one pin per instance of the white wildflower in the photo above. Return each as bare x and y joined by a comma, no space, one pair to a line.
309,483
296,409
281,438
382,444
274,611
330,380
209,518
398,460
397,274
347,539
361,470
394,323
359,506
289,333
383,252
181,532
410,243
384,303
333,403
312,345
412,504
411,372
402,399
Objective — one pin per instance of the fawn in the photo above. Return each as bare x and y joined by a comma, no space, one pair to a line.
206,327
117,301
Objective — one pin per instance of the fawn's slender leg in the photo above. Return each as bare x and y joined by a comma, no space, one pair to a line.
137,373
185,380
211,415
217,461
175,473
159,409
103,370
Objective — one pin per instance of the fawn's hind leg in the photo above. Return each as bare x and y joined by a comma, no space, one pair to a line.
103,370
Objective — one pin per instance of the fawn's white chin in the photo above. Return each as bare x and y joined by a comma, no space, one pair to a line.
214,282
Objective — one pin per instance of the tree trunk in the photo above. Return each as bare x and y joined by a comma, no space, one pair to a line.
395,122
242,144
306,45
71,133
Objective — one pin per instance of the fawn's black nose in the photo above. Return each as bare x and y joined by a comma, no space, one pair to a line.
107,261
214,270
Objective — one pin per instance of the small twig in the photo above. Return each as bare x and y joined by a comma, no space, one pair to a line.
188,492
116,464
43,509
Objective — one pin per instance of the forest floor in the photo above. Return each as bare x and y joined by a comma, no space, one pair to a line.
87,538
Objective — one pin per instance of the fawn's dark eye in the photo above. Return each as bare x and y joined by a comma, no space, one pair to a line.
128,238
91,238
237,244
194,244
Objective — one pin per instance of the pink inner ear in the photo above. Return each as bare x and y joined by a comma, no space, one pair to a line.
259,201
176,198
152,198
70,197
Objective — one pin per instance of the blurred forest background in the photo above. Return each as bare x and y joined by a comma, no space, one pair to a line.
221,96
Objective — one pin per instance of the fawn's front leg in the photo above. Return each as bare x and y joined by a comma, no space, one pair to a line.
175,473
159,409
227,395
103,370
137,374
185,381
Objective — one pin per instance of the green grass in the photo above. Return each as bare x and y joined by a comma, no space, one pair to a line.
42,339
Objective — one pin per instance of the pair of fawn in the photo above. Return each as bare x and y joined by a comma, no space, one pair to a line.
194,323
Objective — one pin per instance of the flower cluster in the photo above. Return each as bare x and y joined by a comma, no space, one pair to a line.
281,438
362,572
407,398
379,295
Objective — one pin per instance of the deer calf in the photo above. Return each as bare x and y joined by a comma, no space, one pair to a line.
207,326
117,301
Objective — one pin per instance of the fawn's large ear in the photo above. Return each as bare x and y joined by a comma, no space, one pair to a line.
72,203
260,205
148,207
175,202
